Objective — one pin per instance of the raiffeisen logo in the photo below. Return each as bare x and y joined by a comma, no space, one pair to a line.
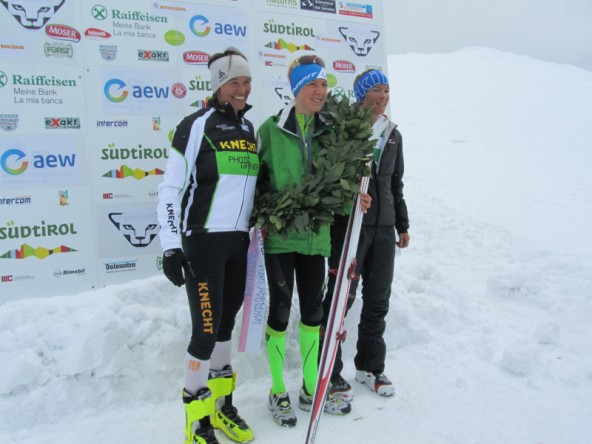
116,90
12,161
199,25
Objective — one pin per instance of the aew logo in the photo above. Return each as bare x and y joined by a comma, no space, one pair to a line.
284,95
360,41
33,14
139,229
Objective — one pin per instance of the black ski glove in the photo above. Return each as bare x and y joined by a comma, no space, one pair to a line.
173,263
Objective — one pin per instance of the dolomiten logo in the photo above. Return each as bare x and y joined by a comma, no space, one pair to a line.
32,14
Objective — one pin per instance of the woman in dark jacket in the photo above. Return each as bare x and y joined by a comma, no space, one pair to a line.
376,249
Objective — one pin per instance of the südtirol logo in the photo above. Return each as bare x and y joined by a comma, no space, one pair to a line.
291,29
32,14
134,153
41,230
283,3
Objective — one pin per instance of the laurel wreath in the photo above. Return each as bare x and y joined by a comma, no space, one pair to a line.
342,160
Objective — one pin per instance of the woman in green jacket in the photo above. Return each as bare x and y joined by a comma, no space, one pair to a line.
288,144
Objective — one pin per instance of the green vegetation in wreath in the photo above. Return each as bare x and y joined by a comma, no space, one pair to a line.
346,150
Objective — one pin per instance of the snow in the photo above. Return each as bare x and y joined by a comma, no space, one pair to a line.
489,330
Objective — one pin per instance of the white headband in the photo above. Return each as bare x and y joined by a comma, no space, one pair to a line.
226,68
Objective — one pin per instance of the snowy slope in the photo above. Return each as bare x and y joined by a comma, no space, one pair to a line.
489,332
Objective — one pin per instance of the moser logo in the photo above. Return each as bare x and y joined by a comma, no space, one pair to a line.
344,66
153,55
200,26
196,58
32,14
276,28
96,34
117,90
62,123
59,50
62,32
15,162
9,122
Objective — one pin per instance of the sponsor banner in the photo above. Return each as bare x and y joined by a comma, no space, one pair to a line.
93,93
28,162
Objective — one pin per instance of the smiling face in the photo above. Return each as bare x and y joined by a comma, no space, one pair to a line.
235,92
312,97
377,99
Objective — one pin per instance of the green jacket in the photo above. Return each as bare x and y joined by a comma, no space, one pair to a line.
283,163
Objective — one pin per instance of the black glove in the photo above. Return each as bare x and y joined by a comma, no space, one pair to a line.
173,263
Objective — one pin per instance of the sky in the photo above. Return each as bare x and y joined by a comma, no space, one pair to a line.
488,335
550,30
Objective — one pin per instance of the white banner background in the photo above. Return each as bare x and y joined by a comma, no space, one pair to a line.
90,94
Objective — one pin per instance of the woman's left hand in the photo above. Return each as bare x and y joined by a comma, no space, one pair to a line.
403,241
365,202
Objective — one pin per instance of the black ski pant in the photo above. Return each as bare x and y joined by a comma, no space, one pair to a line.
375,265
310,277
216,292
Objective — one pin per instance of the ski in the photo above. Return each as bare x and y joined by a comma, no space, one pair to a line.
334,329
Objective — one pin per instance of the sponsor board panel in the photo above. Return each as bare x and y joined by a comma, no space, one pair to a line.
28,162
160,51
41,32
38,99
125,230
46,242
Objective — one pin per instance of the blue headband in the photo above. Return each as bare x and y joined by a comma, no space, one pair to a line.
367,82
303,74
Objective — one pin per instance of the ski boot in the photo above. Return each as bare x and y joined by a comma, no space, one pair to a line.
225,416
377,382
198,407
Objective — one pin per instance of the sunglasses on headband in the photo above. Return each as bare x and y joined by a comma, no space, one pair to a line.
310,60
